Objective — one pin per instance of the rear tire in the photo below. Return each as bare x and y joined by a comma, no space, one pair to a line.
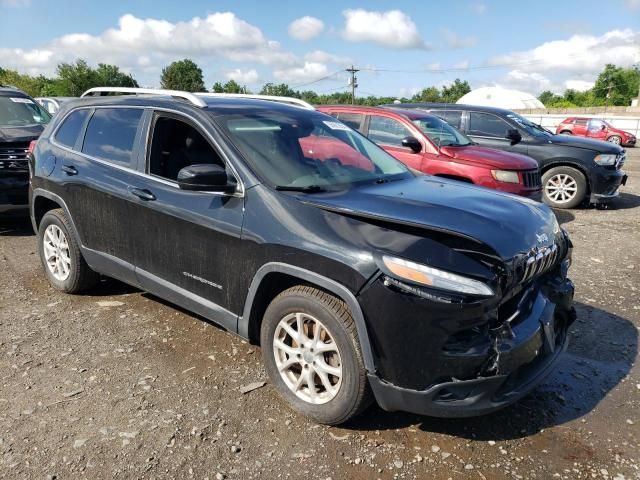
563,187
615,139
320,373
60,255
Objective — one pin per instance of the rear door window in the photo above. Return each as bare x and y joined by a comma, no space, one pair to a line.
387,131
68,132
452,117
354,120
111,134
487,125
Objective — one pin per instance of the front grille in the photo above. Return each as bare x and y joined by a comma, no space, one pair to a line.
13,156
620,160
531,178
538,261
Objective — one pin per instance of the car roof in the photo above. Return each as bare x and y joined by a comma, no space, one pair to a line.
451,106
404,112
12,92
215,105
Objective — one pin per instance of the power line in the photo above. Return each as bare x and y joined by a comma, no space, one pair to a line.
326,77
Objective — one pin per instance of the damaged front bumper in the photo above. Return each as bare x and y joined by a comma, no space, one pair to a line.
482,369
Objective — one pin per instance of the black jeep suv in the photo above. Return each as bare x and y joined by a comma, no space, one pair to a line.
573,169
289,228
21,121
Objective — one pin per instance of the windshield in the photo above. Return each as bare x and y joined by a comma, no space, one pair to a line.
20,112
441,133
308,150
531,128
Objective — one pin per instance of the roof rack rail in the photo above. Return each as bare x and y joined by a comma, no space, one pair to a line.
272,98
195,98
190,97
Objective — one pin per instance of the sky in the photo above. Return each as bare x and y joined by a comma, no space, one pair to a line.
400,46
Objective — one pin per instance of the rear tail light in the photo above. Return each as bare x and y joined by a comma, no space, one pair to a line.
32,146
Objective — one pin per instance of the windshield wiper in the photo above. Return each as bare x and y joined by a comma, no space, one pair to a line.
304,189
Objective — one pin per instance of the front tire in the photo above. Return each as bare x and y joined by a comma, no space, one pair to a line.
60,255
615,139
563,187
312,355
566,132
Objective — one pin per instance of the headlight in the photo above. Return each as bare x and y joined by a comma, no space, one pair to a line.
605,159
505,176
434,277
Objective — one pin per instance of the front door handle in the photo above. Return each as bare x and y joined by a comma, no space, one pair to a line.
142,193
69,169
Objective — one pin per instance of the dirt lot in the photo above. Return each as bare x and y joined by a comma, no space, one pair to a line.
117,383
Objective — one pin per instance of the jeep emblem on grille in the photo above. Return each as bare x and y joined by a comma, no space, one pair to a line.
542,238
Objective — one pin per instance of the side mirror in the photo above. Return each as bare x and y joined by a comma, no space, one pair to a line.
413,143
603,127
513,135
206,178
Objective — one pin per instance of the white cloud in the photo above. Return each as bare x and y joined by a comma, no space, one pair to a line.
308,72
579,54
243,77
458,41
632,4
463,65
478,7
391,29
579,85
320,56
305,28
571,63
128,45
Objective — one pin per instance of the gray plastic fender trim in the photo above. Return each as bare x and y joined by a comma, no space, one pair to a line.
40,192
331,285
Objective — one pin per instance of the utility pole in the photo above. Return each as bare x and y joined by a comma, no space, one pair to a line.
353,81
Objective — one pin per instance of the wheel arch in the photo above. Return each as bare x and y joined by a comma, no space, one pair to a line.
567,163
44,201
275,277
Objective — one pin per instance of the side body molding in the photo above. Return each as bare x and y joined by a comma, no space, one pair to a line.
326,283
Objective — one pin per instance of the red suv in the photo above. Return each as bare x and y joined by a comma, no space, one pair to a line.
596,128
426,143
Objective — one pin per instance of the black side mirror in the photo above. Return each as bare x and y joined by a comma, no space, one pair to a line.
513,135
206,178
413,143
603,127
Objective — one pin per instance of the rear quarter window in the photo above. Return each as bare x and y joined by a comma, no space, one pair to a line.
111,134
68,132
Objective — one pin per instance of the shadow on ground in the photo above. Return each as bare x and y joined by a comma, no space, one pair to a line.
564,216
602,350
15,226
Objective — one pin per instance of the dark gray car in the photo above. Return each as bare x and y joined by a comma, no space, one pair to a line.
574,170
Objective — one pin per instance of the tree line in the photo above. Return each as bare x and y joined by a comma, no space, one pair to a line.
614,86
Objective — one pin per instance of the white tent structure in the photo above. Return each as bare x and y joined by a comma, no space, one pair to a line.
501,97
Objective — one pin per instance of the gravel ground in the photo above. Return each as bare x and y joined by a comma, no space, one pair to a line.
117,383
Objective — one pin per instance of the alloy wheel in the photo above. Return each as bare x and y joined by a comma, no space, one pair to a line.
307,358
614,139
561,188
56,252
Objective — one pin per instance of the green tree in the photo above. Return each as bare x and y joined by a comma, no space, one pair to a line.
182,75
76,78
455,91
280,90
111,76
429,94
617,85
218,87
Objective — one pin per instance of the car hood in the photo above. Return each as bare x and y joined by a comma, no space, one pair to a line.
586,143
20,134
507,224
491,157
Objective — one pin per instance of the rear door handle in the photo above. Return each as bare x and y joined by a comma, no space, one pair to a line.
69,169
142,193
